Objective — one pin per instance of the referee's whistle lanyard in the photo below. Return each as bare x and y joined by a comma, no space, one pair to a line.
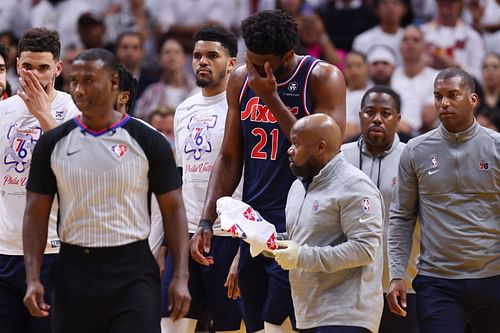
360,147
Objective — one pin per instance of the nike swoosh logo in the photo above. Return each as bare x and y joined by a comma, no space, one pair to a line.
365,219
431,172
69,153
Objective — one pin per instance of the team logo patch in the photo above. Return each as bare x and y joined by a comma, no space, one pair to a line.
252,215
315,206
236,231
22,141
293,86
483,165
271,242
367,207
119,150
434,161
59,115
198,141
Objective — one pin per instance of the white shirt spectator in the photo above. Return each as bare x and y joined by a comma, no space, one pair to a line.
375,36
416,92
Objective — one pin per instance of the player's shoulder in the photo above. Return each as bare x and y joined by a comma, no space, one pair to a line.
324,72
12,103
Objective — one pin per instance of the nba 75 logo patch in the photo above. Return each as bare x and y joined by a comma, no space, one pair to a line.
198,141
22,141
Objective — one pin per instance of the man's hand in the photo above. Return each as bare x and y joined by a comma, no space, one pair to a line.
36,99
200,243
233,289
396,297
287,255
34,300
264,87
179,298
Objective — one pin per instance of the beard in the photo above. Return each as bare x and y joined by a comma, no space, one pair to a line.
203,83
307,170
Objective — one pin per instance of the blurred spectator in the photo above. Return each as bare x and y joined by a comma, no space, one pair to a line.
381,64
356,75
126,90
130,52
486,20
388,32
181,19
92,31
344,20
5,91
313,38
423,10
175,85
414,81
8,39
452,43
42,14
163,120
68,55
488,112
68,12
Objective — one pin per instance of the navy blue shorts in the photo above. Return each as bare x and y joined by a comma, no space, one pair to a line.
14,316
445,305
392,323
265,288
206,285
106,290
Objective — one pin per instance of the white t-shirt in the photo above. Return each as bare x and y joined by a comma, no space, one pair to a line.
461,42
353,105
415,93
375,36
19,133
491,16
199,129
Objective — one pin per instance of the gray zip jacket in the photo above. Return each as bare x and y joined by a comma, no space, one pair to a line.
451,181
383,171
338,222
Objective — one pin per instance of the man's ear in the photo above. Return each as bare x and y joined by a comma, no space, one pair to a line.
123,97
473,100
59,66
231,64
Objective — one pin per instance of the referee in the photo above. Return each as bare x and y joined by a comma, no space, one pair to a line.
103,165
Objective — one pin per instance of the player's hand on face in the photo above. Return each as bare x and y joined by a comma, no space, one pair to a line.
34,95
396,297
179,298
200,244
264,87
34,300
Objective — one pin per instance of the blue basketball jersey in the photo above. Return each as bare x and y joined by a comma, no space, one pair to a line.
267,176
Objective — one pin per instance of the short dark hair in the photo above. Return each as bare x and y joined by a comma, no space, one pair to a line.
217,33
40,40
270,32
386,90
94,54
127,83
4,53
125,34
359,54
466,78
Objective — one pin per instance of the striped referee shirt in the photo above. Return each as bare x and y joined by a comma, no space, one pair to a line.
103,179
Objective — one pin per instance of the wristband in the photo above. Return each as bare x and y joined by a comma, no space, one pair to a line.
205,224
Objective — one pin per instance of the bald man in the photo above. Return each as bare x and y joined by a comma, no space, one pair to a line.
334,224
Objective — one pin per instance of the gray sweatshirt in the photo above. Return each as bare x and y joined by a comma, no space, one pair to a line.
451,181
383,171
338,222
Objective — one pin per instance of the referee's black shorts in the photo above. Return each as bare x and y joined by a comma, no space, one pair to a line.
106,290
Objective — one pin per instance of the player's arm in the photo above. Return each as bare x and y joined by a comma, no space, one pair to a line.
176,234
35,226
328,92
227,170
402,220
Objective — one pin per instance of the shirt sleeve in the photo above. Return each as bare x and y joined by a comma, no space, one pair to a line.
41,178
402,216
362,219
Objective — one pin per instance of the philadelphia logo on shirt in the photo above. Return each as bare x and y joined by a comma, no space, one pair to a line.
198,141
22,141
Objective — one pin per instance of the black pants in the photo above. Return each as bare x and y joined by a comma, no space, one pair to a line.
445,305
336,329
106,290
392,323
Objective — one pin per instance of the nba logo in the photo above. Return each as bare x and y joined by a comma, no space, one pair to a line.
367,208
483,165
119,150
434,161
